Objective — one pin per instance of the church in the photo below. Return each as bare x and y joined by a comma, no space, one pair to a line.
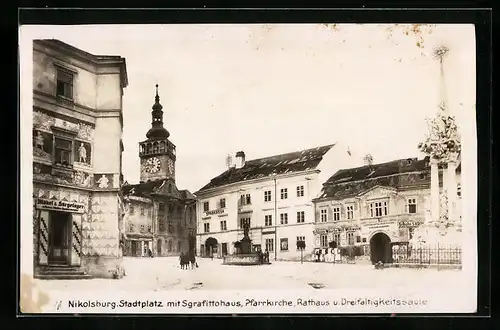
160,218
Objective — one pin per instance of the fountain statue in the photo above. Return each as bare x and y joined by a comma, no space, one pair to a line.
244,254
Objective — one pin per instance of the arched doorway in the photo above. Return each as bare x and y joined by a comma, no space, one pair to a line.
211,246
380,248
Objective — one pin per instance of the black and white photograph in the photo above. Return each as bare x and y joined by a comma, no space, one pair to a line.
248,168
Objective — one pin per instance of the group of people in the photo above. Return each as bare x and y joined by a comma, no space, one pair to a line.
187,261
264,257
330,255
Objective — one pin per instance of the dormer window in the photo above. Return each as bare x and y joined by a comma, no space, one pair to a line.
64,84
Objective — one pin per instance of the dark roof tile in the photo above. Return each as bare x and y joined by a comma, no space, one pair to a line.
279,164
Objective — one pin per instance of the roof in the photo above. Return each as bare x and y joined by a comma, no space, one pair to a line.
298,161
164,188
399,173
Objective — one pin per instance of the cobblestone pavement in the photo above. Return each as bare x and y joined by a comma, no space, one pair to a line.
162,274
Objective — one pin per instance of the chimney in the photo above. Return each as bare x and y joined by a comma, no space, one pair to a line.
240,159
229,161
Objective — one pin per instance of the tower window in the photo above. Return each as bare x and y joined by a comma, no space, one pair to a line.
155,147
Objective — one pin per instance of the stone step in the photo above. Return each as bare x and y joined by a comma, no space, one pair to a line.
61,270
49,276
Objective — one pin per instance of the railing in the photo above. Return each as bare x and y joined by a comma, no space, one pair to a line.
427,255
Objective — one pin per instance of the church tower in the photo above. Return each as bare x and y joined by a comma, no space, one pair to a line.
157,153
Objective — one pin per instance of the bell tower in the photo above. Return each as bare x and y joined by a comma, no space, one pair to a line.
157,153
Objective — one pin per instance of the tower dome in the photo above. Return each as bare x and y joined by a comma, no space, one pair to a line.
157,131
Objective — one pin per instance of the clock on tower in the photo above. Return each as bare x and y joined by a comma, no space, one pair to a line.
157,153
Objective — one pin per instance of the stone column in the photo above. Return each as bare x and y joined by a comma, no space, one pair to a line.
451,186
434,190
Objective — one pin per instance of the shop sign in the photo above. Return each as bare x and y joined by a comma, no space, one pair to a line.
213,212
56,205
410,223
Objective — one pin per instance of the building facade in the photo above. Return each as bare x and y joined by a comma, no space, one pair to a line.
77,155
273,194
160,219
374,206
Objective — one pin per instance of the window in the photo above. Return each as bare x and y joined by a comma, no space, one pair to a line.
378,209
222,203
63,152
350,212
149,213
358,239
142,211
336,238
169,246
323,240
284,193
268,220
206,227
323,215
206,206
223,225
64,84
267,196
300,191
412,205
245,199
270,244
244,221
300,216
131,210
301,238
336,213
350,238
161,225
161,207
284,218
284,244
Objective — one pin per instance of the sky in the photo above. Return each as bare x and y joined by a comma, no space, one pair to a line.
271,89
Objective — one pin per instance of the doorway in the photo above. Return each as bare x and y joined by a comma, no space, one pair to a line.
158,247
134,249
224,248
380,248
59,238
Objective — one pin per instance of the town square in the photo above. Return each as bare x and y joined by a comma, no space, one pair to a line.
340,158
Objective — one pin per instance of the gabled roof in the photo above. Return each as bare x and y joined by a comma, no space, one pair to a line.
164,188
298,161
347,183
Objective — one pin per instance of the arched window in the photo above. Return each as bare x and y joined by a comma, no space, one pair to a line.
148,150
179,246
162,146
169,246
143,148
155,147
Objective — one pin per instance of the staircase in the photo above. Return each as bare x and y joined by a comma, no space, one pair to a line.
61,272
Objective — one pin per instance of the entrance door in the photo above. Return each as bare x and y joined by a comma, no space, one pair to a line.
134,248
224,249
158,247
59,238
380,248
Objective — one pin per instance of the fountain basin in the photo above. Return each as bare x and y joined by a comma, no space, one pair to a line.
243,259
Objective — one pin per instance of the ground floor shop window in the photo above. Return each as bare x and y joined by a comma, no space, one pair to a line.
270,244
284,244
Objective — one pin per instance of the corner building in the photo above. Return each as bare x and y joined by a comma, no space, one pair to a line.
273,194
77,156
375,206
159,217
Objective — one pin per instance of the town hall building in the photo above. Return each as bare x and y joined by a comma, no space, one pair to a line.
160,217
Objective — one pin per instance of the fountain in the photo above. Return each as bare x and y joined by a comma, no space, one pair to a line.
244,254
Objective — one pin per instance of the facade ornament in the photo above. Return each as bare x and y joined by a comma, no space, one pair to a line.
82,153
103,181
39,140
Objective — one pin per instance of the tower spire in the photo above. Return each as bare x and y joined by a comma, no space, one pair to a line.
439,53
157,131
